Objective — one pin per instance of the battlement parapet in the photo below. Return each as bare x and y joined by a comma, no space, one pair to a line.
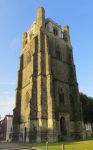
48,19
32,30
53,27
32,26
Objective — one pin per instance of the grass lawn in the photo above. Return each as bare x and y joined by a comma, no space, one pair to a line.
72,145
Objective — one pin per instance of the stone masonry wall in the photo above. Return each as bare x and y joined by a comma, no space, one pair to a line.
41,75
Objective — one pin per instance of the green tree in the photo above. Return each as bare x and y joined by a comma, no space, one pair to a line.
91,108
87,107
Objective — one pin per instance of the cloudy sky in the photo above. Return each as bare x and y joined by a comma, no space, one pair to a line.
16,17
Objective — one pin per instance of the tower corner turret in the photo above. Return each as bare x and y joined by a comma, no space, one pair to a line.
40,17
66,36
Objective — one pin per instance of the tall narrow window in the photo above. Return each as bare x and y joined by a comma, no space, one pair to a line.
58,53
55,31
46,26
61,97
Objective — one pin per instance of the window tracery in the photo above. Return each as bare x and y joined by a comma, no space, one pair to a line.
61,97
58,53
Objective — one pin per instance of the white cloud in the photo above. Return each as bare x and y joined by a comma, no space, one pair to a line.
12,82
7,83
14,43
7,92
1,97
7,100
6,105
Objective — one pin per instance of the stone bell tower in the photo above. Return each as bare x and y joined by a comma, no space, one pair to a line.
47,105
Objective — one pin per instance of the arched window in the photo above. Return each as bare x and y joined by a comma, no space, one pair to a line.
69,56
46,25
63,126
28,57
58,53
61,97
27,99
55,31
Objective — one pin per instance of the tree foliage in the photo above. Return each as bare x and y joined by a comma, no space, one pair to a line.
87,107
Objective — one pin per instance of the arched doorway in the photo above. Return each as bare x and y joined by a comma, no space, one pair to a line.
62,126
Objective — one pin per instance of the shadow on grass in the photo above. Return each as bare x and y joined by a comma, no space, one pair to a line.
55,144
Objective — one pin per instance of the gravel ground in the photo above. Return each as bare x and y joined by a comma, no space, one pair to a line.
13,146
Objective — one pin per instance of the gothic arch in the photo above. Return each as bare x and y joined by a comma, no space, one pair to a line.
55,31
61,96
58,54
62,125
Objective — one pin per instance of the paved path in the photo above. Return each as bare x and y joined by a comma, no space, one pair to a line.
13,146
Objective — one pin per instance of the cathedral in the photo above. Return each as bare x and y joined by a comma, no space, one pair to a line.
47,104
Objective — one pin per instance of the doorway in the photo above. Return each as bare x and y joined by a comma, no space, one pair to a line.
62,126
